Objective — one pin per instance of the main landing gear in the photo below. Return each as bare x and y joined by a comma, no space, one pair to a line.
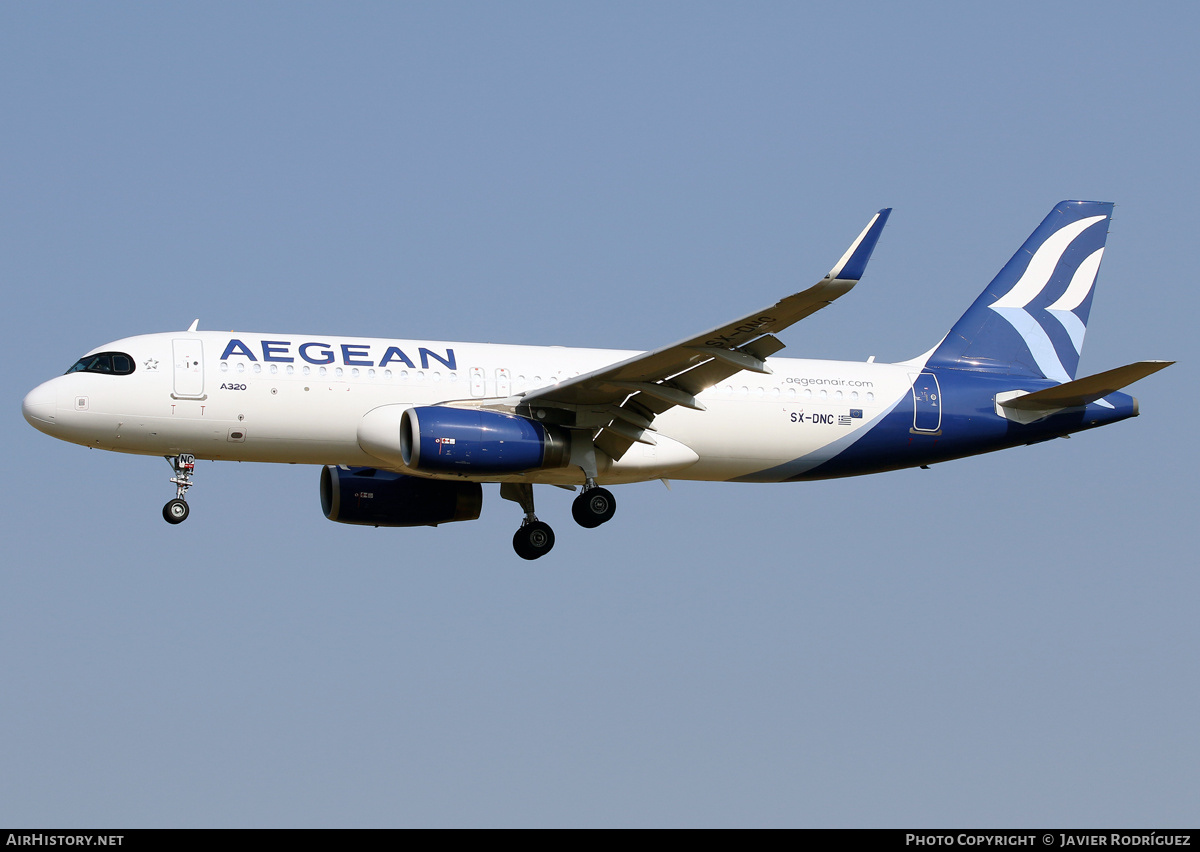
594,506
534,538
591,508
176,511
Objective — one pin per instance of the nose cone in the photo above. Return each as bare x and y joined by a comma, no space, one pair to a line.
40,407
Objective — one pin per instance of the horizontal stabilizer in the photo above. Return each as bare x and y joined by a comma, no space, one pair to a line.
1085,390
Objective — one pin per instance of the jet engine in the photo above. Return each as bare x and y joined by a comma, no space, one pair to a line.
473,441
379,498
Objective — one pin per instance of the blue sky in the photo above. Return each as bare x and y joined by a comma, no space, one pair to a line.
1006,640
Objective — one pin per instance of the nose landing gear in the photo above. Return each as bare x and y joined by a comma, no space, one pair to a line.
176,511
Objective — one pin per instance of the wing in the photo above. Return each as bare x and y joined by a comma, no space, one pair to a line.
621,401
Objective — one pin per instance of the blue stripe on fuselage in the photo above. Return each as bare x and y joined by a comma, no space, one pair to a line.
969,426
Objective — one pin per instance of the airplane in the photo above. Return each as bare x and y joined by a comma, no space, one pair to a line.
406,431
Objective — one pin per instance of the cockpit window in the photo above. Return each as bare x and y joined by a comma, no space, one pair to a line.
112,363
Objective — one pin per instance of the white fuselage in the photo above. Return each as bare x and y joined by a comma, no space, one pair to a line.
301,399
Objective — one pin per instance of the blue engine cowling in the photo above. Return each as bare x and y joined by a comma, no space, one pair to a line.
379,498
472,441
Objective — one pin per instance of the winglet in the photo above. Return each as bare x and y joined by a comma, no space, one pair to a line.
854,261
195,323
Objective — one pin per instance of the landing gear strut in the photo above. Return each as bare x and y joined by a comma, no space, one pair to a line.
535,538
594,505
176,511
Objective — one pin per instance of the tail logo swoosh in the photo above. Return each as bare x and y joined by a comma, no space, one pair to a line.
1012,306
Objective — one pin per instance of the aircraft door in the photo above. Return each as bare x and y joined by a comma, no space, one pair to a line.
188,356
927,403
503,382
478,382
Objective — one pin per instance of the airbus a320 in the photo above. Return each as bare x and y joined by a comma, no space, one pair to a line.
407,431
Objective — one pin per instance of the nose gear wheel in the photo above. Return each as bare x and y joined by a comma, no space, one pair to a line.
175,512
184,464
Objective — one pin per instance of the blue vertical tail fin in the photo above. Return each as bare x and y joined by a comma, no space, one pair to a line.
1030,321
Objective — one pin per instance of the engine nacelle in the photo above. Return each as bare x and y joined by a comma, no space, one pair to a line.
472,441
379,498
